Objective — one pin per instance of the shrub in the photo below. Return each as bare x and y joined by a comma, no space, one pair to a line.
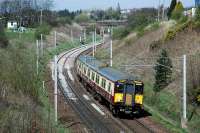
155,26
171,8
3,38
64,20
163,72
178,11
120,33
140,31
43,29
197,15
82,18
170,35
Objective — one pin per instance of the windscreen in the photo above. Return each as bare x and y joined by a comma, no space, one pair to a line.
139,88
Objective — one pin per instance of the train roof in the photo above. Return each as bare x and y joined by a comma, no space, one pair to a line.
108,72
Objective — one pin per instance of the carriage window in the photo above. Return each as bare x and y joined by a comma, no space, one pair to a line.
103,83
93,75
119,87
97,79
85,70
109,87
88,74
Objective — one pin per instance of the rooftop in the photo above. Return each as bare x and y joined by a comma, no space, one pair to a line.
101,68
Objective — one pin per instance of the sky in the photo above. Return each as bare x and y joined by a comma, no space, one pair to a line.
104,4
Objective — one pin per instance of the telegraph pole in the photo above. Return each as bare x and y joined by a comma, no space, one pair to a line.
80,39
55,79
55,88
43,86
37,52
85,35
159,10
163,11
184,91
55,39
111,55
103,35
41,17
72,39
95,40
93,44
42,47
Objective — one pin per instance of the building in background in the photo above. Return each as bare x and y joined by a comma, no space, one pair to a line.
12,25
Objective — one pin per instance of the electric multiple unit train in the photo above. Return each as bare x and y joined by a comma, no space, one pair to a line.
122,92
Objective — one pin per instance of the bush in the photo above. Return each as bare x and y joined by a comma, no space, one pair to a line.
119,33
64,20
141,18
82,18
3,38
171,34
43,29
178,11
197,15
140,31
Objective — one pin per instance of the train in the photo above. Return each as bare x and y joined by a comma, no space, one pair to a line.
122,92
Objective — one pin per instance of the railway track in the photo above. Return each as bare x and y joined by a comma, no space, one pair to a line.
96,122
90,118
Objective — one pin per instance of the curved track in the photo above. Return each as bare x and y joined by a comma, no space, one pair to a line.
91,118
99,119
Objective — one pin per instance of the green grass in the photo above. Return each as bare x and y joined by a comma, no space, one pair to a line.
21,37
24,42
164,107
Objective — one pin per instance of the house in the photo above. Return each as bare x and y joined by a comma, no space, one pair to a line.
190,13
12,25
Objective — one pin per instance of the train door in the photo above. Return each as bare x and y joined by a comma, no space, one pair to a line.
129,96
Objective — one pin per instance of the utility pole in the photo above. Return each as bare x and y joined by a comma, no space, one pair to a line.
41,17
72,38
163,11
55,39
43,86
85,35
103,35
184,120
158,10
80,39
37,52
111,55
95,40
42,47
55,88
93,44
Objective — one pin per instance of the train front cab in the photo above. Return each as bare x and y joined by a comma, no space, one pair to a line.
128,97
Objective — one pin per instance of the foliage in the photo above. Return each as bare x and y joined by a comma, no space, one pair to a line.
163,71
171,8
64,20
119,33
25,11
141,18
197,15
3,38
109,13
43,29
82,18
171,34
112,14
178,11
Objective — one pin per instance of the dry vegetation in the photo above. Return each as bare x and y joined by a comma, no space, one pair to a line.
144,50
